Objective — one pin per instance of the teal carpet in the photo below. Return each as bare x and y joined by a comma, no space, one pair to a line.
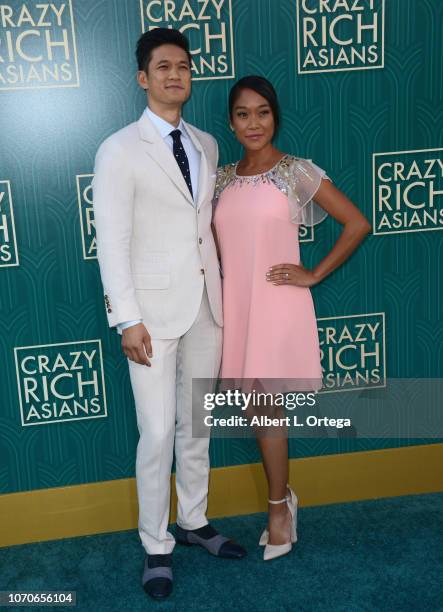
374,555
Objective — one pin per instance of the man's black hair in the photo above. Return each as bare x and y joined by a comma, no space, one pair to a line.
156,38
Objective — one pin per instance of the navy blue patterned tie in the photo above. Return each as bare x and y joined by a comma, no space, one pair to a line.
182,158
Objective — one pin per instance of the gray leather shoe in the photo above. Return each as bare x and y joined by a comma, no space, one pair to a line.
211,540
157,576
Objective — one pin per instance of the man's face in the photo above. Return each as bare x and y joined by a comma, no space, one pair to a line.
168,77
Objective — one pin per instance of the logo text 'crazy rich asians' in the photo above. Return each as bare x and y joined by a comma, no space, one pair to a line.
60,382
8,241
340,35
208,26
408,191
353,351
86,213
37,45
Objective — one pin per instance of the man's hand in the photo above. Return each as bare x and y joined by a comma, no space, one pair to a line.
136,344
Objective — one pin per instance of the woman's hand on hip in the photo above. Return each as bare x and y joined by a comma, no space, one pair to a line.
291,274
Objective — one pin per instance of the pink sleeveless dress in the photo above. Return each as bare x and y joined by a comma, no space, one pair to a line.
270,332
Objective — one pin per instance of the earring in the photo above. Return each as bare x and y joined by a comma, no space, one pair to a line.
232,128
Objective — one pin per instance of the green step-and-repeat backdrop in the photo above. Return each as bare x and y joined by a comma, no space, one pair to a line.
360,84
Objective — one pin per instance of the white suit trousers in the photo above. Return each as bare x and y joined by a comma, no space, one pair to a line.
163,400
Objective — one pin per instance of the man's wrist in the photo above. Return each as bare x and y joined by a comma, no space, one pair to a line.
127,324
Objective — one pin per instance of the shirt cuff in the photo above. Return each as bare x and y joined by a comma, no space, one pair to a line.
126,324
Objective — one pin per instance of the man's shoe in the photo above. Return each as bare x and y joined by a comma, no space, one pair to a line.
157,576
209,538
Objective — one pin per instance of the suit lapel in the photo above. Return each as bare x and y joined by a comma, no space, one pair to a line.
204,164
158,150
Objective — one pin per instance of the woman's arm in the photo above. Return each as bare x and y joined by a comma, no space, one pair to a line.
355,228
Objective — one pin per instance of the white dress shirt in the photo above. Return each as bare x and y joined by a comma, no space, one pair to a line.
164,128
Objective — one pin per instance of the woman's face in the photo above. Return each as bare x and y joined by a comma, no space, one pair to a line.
252,120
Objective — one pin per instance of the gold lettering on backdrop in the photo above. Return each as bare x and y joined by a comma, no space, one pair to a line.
8,242
37,45
340,34
170,10
318,35
90,221
352,351
57,383
332,6
208,25
86,213
408,194
35,19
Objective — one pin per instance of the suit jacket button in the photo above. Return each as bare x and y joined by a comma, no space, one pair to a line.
202,271
109,311
200,240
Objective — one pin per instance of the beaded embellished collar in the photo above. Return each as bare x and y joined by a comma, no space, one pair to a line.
277,175
296,177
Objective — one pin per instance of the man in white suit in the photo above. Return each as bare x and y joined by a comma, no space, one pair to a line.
153,188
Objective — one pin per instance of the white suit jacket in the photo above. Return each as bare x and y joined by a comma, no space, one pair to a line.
155,248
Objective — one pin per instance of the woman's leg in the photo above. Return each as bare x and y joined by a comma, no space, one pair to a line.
274,452
273,444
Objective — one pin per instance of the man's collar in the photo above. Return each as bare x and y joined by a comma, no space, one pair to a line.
163,127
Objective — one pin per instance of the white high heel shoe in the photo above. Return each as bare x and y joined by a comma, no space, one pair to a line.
277,550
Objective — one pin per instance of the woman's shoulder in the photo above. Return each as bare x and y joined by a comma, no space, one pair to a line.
291,161
225,174
226,169
289,167
298,167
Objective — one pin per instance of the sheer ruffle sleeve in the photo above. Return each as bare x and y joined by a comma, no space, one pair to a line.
298,178
303,179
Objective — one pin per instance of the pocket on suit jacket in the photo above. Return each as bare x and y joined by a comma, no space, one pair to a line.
151,281
151,270
151,262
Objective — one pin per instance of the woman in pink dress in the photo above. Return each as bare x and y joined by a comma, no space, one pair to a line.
270,330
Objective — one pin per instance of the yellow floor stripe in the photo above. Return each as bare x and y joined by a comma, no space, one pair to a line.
101,507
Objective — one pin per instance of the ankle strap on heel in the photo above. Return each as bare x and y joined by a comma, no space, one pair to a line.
279,501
